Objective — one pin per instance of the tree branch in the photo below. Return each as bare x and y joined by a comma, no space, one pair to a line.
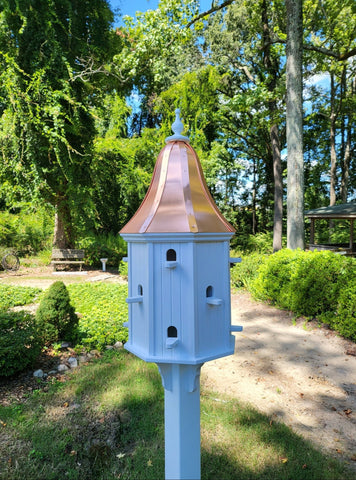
325,51
208,12
89,70
330,53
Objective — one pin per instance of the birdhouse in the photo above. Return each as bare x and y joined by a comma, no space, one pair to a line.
178,264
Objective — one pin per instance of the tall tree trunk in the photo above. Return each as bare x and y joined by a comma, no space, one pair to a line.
294,117
346,165
271,65
278,189
333,178
254,188
63,231
347,132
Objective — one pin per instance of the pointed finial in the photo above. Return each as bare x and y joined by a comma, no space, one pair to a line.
177,128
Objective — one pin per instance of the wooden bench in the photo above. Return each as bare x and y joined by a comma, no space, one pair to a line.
67,257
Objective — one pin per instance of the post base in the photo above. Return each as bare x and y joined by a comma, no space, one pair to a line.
182,420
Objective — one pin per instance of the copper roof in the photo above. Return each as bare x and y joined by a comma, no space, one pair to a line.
178,199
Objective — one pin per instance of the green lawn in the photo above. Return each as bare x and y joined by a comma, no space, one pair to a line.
106,421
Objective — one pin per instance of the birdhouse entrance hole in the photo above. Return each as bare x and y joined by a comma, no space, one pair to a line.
209,291
172,332
171,255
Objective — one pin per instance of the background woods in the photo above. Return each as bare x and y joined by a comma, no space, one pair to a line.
86,102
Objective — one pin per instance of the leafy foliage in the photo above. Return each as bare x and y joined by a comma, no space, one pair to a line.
272,283
317,281
313,284
29,231
56,317
259,243
20,344
343,320
103,310
46,126
99,246
242,274
12,296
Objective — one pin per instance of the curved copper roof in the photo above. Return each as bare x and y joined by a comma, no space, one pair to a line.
178,199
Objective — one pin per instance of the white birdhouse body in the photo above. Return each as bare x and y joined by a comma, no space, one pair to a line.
178,254
179,297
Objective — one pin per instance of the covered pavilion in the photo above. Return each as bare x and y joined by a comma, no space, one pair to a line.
345,211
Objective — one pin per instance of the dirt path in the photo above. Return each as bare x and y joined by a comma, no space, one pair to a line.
300,374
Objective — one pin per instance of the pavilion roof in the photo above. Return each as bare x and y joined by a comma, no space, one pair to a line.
345,210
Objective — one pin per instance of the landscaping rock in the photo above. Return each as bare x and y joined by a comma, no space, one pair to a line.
62,368
118,345
38,373
73,362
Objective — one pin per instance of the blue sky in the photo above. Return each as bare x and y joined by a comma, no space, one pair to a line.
130,7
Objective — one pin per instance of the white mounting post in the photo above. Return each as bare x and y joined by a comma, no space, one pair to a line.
182,420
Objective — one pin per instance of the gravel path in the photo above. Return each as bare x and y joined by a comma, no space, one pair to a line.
297,373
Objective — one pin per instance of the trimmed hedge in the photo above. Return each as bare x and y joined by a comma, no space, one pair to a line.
313,284
19,342
242,274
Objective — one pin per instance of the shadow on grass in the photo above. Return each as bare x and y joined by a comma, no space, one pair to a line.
107,422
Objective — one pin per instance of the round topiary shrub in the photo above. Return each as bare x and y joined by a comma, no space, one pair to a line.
55,316
20,344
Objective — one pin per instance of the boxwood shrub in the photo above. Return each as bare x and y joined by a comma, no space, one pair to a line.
314,284
317,282
20,344
273,280
243,273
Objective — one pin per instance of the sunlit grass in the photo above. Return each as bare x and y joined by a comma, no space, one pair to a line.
106,421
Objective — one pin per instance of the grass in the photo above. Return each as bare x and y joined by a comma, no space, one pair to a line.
106,421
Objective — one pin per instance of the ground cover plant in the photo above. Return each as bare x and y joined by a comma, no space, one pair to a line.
103,310
106,421
12,296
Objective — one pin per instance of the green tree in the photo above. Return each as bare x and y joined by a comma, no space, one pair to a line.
330,48
241,44
157,51
48,51
121,167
